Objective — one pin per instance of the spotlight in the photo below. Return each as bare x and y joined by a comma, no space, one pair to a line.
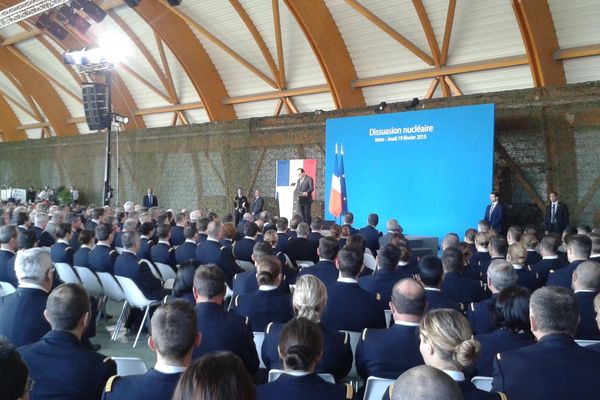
120,119
381,107
413,104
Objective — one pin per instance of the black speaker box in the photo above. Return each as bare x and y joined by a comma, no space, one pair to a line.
95,104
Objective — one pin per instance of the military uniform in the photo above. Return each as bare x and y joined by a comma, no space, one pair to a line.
564,276
208,252
153,385
301,249
337,354
325,270
163,252
461,289
588,327
44,239
144,251
308,386
527,278
480,315
436,300
177,236
63,368
371,236
81,257
129,266
383,280
61,252
264,306
7,267
102,258
211,252
245,282
498,341
185,251
22,318
543,268
242,249
223,331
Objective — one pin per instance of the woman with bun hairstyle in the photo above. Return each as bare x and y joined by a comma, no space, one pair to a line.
86,239
309,301
447,343
269,303
300,349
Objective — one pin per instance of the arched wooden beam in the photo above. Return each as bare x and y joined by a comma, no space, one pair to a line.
9,122
41,90
193,57
540,40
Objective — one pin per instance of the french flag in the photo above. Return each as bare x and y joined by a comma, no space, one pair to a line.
335,196
287,172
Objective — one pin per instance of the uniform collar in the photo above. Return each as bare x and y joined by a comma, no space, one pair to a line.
169,369
346,280
267,288
29,285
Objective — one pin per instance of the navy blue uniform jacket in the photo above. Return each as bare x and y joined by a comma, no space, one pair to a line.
81,258
129,266
22,316
102,259
184,252
7,267
304,387
152,385
462,290
61,253
563,277
351,308
382,282
495,342
264,306
325,270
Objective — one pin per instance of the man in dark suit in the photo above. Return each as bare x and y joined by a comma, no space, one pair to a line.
173,339
586,284
146,242
455,285
187,249
299,248
97,218
22,313
102,257
349,307
245,281
282,235
60,365
556,215
387,353
431,274
315,230
579,248
494,213
221,331
8,248
150,199
213,252
325,269
44,239
258,205
23,221
371,234
480,258
177,236
554,318
304,187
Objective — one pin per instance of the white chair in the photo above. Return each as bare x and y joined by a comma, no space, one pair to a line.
369,261
66,273
136,299
388,318
376,387
119,250
114,292
153,269
274,374
304,263
90,281
585,342
354,338
165,271
482,382
245,265
130,366
6,288
259,337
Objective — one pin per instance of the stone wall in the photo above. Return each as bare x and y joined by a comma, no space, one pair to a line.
545,139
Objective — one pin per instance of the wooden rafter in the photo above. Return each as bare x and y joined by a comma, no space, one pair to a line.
390,31
428,30
57,55
171,108
166,68
18,104
145,82
289,105
278,42
278,107
431,89
182,117
448,31
9,122
453,86
328,46
577,52
277,94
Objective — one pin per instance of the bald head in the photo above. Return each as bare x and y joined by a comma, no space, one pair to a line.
587,276
425,383
408,300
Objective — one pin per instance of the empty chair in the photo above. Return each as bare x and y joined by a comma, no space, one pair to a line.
130,366
369,261
114,292
274,374
66,273
374,389
245,265
6,288
135,298
165,271
585,343
90,281
304,263
482,382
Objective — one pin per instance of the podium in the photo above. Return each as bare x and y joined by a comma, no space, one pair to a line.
286,196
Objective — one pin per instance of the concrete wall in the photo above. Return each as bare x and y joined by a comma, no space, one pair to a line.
546,138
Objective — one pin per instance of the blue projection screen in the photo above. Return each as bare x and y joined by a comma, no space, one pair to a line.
430,169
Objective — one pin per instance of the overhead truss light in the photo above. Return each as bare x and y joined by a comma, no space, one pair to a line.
26,9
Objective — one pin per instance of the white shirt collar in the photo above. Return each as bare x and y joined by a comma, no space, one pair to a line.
169,369
190,241
584,291
406,323
248,237
456,375
63,241
402,263
297,373
165,242
550,258
144,237
29,285
9,251
347,280
433,289
212,240
267,288
85,246
594,255
128,251
517,266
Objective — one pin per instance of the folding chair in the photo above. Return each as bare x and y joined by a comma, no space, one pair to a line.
245,265
274,374
376,387
585,342
165,271
66,273
482,382
354,338
153,269
114,292
90,281
130,366
6,288
259,337
304,263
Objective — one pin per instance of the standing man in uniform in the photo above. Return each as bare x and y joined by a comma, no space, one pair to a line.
304,187
494,213
556,216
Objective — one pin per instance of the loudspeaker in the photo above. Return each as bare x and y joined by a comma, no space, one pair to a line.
95,104
174,2
57,30
94,11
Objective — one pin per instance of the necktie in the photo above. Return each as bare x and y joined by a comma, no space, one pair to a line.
553,218
491,210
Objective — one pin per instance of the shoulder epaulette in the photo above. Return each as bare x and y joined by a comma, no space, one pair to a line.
480,284
268,326
68,248
113,252
140,262
551,271
502,396
290,237
529,268
151,242
223,247
498,356
235,301
171,249
346,337
364,334
462,306
377,296
109,383
349,391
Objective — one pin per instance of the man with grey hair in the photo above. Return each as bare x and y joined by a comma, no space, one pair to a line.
299,248
22,312
44,238
8,249
213,252
424,383
392,226
555,367
129,206
586,284
500,275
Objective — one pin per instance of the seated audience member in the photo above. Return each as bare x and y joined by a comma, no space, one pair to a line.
348,221
371,234
579,248
525,277
586,284
497,246
8,250
424,383
61,251
58,362
325,269
511,316
130,224
514,233
468,271
388,273
456,286
564,238
162,252
242,249
202,227
228,233
183,287
294,221
245,282
554,317
269,303
213,252
22,220
22,313
146,240
177,236
81,257
309,301
217,376
102,258
316,226
469,239
282,234
299,248
15,383
595,253
549,261
389,352
501,275
44,239
359,243
97,217
221,330
430,275
451,239
335,231
480,258
187,250
392,227
530,241
27,239
300,349
447,343
350,307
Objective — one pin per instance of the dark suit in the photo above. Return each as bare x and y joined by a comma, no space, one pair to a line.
258,206
527,278
303,387
211,252
223,331
561,218
150,201
461,289
325,270
264,306
314,237
337,354
371,236
307,185
302,249
91,225
129,266
102,259
563,277
61,253
496,220
152,385
436,299
480,315
554,368
243,249
81,257
145,251
480,260
495,342
588,327
44,239
7,267
74,242
64,369
382,282
185,251
177,236
22,316
282,239
163,253
543,268
387,353
532,257
351,308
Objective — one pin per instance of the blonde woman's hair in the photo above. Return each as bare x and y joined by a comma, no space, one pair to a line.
449,332
517,253
310,298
